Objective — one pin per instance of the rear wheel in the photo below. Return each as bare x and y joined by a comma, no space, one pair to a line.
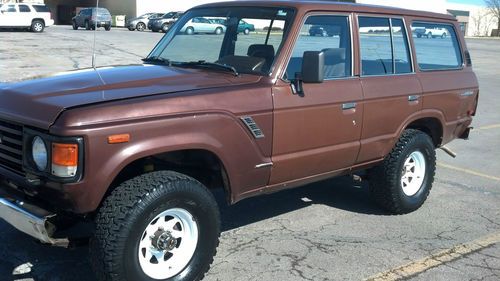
429,35
140,26
87,25
189,31
443,35
246,31
158,226
402,183
107,27
218,31
37,26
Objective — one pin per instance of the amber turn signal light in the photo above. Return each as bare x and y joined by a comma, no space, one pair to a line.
64,159
118,138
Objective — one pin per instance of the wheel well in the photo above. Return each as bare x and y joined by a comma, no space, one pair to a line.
430,126
201,165
39,20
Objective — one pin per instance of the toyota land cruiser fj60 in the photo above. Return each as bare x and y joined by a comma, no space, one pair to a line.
136,150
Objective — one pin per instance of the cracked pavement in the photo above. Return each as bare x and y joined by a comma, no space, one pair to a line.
325,231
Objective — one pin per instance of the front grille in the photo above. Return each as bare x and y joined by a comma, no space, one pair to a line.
11,146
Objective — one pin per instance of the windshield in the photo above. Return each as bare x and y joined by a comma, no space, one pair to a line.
217,36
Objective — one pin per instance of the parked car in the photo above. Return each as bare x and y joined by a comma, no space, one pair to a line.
431,32
202,25
164,23
132,153
32,17
141,23
323,30
90,18
243,26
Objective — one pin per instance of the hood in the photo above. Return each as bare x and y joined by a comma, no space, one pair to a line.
40,101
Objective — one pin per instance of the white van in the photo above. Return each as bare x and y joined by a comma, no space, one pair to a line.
33,17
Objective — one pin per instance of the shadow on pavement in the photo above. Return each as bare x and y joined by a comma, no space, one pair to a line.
61,264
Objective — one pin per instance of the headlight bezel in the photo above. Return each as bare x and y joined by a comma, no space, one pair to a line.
30,166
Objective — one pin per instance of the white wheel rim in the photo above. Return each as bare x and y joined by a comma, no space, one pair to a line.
38,26
175,230
413,173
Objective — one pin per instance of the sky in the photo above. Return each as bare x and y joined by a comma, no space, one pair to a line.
472,2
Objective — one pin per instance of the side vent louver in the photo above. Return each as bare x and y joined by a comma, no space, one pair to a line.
252,126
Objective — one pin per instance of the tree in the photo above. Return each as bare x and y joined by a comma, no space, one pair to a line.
494,8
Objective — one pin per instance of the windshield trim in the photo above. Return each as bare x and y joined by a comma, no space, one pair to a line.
167,38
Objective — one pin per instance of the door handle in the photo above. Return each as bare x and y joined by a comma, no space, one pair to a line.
348,105
413,98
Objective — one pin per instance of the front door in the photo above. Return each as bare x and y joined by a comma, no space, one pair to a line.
318,132
8,14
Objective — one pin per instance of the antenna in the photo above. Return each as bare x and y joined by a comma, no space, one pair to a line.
95,31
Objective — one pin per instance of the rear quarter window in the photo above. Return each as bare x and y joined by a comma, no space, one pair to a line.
41,8
437,46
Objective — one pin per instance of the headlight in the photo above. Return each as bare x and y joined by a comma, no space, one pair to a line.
39,153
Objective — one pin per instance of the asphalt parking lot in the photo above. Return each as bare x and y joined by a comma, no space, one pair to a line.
326,231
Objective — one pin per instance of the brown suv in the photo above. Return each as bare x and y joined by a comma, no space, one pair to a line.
136,150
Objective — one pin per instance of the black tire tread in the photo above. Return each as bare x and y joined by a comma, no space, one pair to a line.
124,199
384,179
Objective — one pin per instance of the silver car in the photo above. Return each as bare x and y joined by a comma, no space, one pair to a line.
140,23
202,25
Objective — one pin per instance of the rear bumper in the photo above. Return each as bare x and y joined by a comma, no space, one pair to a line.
26,217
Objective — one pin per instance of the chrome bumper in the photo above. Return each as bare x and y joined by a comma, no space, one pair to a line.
27,218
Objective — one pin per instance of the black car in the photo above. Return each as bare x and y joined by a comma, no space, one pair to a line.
164,23
90,18
324,30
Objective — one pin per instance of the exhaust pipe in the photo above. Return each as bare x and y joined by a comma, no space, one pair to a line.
448,151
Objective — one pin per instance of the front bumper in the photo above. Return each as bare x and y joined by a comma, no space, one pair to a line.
26,217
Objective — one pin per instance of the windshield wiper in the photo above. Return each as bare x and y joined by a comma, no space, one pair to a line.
157,60
205,64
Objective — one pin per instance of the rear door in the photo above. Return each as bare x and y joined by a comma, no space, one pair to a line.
391,88
318,132
449,85
25,15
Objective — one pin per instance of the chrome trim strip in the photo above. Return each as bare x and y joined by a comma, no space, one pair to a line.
264,165
467,94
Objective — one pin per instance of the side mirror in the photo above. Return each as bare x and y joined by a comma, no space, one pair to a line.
313,71
313,67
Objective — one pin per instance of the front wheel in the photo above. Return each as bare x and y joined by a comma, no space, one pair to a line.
402,183
107,27
165,27
37,26
218,31
140,26
75,26
246,31
157,226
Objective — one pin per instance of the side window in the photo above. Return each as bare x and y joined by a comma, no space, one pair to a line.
330,34
9,8
436,46
384,46
24,9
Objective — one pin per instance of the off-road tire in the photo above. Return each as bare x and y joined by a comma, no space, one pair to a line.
126,212
385,179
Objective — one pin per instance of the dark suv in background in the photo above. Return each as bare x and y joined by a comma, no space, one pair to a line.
91,18
164,23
